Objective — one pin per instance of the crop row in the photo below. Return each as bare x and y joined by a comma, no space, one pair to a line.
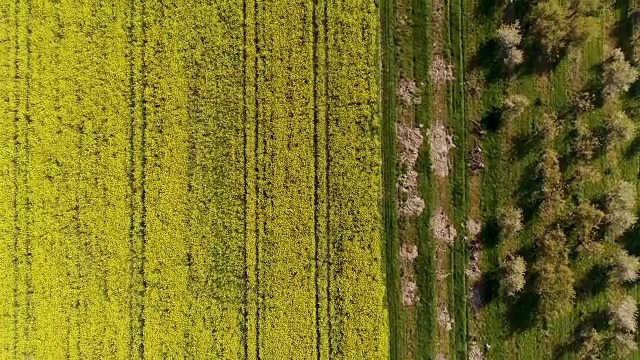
359,321
285,252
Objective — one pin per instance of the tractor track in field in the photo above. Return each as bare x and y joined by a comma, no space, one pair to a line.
16,149
137,191
131,174
389,176
316,178
461,199
131,171
193,115
327,144
28,254
257,173
245,275
143,179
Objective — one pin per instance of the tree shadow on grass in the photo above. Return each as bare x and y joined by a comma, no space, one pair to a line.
596,320
488,58
525,143
536,62
487,8
524,194
490,286
521,310
632,149
490,233
630,240
492,120
593,283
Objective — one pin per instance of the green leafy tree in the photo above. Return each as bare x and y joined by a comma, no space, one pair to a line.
550,27
554,285
590,346
587,219
551,192
585,143
582,29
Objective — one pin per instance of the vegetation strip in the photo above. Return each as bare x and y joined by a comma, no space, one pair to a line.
316,179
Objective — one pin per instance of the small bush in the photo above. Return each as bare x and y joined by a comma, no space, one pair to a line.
584,7
623,344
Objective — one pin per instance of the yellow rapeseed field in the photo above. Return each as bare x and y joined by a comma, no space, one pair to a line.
190,179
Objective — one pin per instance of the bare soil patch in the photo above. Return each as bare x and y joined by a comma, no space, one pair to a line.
408,252
444,319
409,292
409,141
408,92
443,231
440,70
441,142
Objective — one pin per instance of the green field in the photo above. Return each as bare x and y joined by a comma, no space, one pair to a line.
190,179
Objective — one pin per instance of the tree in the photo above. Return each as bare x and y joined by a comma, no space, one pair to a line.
587,219
551,192
620,205
582,29
585,173
514,105
513,281
623,344
550,26
618,127
548,128
509,38
510,221
583,7
585,143
554,285
622,315
583,102
625,268
590,347
618,75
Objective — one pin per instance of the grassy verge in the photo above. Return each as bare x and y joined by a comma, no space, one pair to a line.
459,199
